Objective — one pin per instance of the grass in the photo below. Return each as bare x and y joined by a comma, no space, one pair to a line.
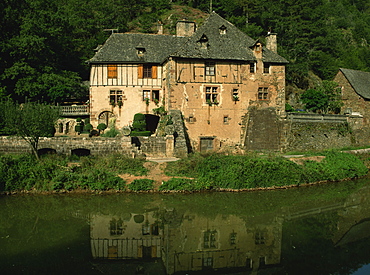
207,171
54,172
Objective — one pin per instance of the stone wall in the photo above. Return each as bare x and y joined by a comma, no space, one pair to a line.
181,145
150,146
155,146
303,136
263,130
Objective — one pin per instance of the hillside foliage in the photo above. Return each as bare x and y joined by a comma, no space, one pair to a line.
45,43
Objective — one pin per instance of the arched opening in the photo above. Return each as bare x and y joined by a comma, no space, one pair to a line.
151,122
80,152
104,117
60,127
46,151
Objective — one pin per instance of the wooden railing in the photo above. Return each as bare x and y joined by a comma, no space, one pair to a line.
75,110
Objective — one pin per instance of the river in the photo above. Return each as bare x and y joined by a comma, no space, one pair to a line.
323,229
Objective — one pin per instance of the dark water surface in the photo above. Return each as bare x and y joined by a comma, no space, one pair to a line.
308,230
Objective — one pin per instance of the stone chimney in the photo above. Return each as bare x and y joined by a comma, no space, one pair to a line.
185,28
271,41
160,27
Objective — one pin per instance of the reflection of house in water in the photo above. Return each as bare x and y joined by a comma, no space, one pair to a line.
133,236
223,242
188,243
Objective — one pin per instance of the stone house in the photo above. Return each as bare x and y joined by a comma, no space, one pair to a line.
213,74
355,87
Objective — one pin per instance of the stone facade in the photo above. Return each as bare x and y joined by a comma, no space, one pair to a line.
355,97
211,75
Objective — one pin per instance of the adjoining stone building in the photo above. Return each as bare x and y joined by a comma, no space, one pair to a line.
213,74
355,87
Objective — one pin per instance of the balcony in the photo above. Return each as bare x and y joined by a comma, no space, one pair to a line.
75,110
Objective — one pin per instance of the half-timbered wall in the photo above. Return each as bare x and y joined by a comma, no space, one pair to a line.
127,75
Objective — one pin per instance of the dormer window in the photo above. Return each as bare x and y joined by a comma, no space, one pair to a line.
140,51
258,47
203,41
222,30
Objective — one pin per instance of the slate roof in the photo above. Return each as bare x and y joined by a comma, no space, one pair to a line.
233,45
122,48
359,80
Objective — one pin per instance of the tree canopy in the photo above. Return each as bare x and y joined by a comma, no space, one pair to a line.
29,121
326,98
44,44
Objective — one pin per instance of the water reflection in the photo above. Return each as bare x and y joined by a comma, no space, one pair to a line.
316,230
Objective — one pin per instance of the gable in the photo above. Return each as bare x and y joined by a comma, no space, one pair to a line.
359,80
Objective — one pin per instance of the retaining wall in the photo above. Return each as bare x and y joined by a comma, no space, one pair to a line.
149,146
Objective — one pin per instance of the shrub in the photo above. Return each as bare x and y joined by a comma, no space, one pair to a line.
238,172
139,123
88,127
186,167
140,133
78,128
102,126
335,166
141,185
112,132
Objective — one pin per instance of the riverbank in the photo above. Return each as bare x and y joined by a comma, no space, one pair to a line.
212,172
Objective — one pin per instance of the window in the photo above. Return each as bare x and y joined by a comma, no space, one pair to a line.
147,71
116,227
145,229
155,95
210,68
203,42
235,95
266,68
209,239
115,97
191,119
211,95
151,95
146,95
252,68
259,237
263,93
208,262
232,238
140,51
112,71
222,29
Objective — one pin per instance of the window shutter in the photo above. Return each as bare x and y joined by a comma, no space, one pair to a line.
140,71
154,72
112,71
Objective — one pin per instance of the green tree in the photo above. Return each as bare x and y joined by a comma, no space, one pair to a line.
30,121
326,98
